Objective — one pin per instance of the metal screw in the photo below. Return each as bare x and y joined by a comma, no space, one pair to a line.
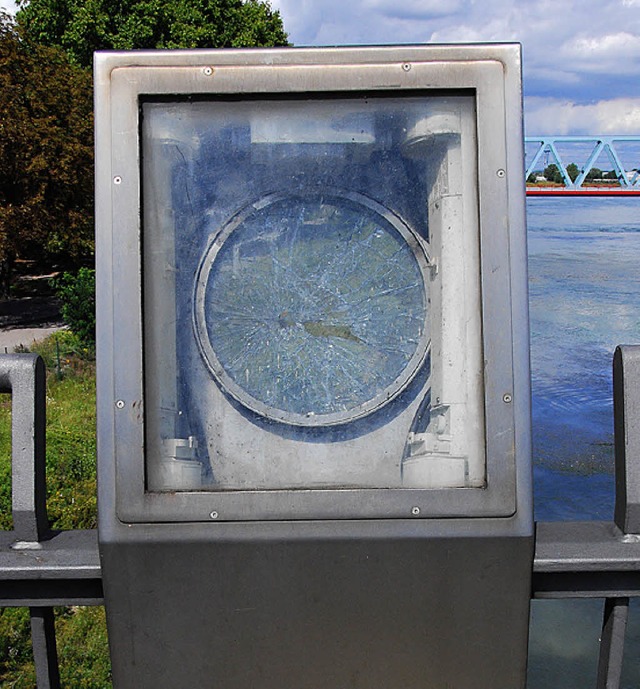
406,66
506,398
117,179
415,511
213,515
501,173
207,71
120,404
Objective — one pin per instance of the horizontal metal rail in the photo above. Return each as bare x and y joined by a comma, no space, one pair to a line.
40,569
585,560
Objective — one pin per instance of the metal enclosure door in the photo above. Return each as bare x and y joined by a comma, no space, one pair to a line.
313,385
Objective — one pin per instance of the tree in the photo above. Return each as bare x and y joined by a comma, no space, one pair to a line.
46,155
82,26
594,173
573,171
552,173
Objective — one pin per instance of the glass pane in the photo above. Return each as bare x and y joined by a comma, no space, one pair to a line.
312,309
287,287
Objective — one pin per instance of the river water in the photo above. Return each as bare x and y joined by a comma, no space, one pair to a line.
584,282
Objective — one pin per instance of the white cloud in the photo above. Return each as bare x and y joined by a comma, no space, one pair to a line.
581,58
417,9
606,117
610,52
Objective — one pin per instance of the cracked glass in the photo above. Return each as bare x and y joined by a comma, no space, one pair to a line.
312,309
288,291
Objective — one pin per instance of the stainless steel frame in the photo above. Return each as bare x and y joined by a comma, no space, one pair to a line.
492,74
316,588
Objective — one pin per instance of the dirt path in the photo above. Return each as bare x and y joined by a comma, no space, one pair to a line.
28,317
14,337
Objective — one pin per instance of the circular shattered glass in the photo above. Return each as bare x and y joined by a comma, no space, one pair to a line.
313,309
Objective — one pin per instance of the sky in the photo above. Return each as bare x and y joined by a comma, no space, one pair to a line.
581,58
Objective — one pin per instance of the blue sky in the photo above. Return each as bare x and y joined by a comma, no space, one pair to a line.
581,57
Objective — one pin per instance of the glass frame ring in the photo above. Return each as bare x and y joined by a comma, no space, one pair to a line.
419,250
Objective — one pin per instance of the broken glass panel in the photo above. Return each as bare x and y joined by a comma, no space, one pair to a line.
312,309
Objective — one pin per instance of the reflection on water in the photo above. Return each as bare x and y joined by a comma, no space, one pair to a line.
584,255
584,299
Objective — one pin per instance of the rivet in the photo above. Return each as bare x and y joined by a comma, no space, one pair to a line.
506,398
415,511
120,404
406,66
117,179
501,173
213,515
207,71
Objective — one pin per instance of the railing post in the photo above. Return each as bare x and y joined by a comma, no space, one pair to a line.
614,627
45,654
23,375
626,406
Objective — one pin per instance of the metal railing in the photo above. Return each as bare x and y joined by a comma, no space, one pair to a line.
40,569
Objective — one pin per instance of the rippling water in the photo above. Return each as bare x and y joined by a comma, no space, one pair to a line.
584,267
584,281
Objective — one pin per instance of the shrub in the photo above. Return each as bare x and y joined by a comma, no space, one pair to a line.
77,294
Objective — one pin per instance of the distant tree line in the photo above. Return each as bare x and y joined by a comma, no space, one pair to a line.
552,174
46,110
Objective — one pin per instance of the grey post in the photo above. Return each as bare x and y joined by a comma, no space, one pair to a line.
23,375
626,403
614,627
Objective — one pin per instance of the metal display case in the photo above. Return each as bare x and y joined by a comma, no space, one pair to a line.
313,388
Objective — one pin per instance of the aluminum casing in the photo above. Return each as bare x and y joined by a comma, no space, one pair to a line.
413,601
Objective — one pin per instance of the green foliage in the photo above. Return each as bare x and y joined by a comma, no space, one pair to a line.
81,636
77,294
65,354
573,171
82,26
16,657
46,154
83,648
552,173
594,173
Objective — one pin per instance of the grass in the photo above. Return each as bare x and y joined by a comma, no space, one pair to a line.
71,503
